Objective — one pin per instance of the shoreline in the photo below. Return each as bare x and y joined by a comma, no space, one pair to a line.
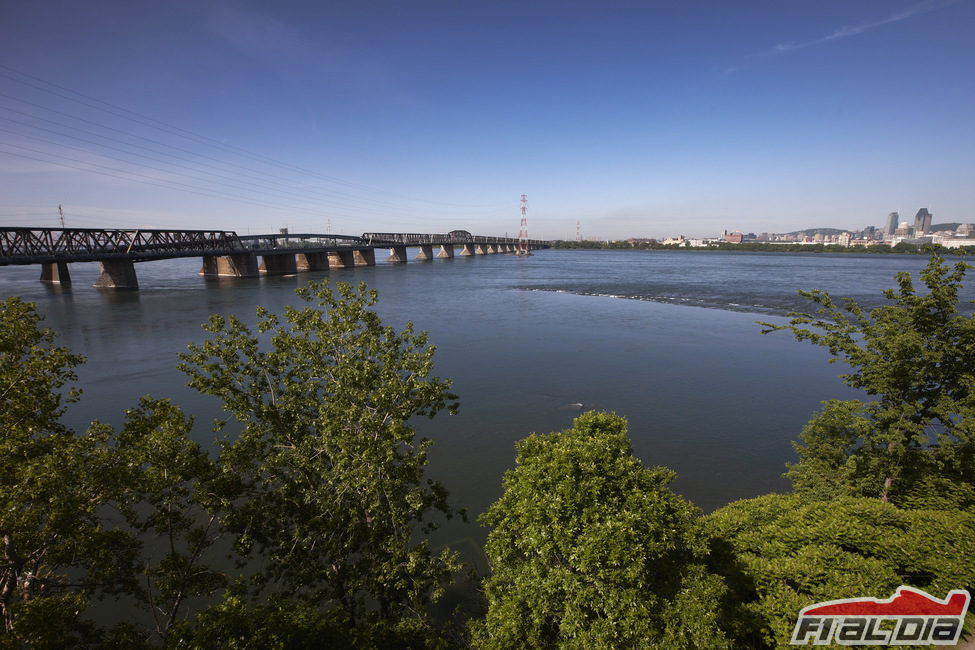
899,249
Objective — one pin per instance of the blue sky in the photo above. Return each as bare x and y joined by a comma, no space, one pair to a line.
643,119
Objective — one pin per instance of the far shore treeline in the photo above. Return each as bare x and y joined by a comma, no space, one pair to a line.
764,247
309,525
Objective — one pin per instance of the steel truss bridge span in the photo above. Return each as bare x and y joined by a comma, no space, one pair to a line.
46,245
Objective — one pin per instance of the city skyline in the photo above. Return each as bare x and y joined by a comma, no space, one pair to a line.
635,119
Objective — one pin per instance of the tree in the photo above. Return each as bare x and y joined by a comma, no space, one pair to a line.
914,443
171,500
780,553
322,458
57,553
591,549
76,509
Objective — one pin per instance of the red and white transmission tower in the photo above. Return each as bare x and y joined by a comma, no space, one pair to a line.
523,233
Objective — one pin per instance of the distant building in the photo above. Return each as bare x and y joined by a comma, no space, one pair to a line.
904,230
965,230
892,221
922,221
732,237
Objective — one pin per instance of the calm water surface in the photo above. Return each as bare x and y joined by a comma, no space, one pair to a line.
668,339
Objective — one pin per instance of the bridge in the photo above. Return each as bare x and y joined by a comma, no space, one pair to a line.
224,252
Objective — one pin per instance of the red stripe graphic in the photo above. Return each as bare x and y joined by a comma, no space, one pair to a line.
906,601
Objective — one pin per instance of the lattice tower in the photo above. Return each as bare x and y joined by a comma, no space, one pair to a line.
523,232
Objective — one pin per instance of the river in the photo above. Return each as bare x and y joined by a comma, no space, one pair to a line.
668,339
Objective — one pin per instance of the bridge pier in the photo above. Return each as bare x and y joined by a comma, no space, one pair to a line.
240,265
311,262
365,257
494,249
117,274
278,264
55,273
426,252
397,255
446,251
481,249
340,260
468,249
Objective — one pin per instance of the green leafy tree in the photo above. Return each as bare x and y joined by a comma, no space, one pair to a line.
173,496
914,442
591,549
283,623
102,513
780,553
57,553
322,459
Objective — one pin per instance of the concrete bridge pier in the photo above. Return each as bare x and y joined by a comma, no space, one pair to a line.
446,251
481,249
397,255
239,265
311,262
55,273
278,264
468,250
494,249
340,260
426,252
117,274
365,257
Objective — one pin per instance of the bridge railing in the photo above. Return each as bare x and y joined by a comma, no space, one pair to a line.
532,243
299,241
33,245
409,238
456,238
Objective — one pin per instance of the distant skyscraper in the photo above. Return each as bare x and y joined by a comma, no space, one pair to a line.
922,221
892,221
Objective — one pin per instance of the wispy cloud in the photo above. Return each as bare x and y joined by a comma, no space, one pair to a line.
843,32
259,34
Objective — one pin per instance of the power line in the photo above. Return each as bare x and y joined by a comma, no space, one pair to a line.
151,122
338,200
108,171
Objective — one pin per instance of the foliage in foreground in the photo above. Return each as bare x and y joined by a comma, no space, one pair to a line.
780,553
325,471
75,508
320,487
914,443
592,549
